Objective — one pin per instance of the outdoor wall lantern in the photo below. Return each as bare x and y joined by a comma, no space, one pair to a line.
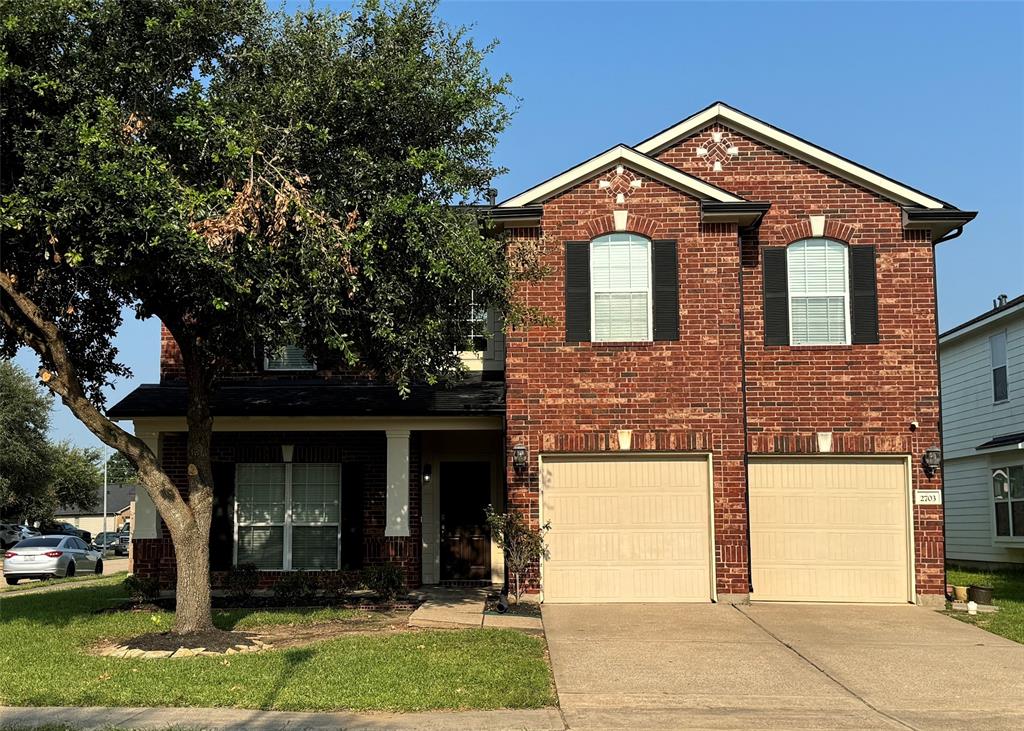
428,472
519,457
932,459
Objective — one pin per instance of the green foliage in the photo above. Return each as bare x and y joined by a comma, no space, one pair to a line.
243,580
386,580
383,671
334,585
523,546
298,588
249,176
37,476
120,471
141,589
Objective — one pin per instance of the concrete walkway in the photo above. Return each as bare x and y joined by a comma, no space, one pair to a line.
461,608
183,719
779,666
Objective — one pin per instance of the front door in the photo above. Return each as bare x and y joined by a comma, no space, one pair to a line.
465,539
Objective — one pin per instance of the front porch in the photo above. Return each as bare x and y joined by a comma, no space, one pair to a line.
339,493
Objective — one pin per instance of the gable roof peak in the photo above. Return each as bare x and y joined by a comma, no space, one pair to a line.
798,147
634,160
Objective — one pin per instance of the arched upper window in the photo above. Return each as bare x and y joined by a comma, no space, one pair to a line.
620,287
819,292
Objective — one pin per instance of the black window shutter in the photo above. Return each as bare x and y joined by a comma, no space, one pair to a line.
352,488
776,297
577,291
222,525
666,289
864,295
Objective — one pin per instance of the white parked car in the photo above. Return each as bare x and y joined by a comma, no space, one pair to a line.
44,557
10,533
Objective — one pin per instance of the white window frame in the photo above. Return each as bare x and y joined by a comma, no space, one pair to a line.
810,295
649,291
311,367
1005,366
1008,502
288,522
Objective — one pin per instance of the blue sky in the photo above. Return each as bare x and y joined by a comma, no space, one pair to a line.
931,94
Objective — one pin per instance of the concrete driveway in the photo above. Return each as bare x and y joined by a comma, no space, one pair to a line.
780,666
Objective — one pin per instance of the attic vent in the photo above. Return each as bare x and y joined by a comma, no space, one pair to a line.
999,301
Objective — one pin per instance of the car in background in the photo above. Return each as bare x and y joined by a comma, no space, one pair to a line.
51,528
10,533
125,538
46,557
110,541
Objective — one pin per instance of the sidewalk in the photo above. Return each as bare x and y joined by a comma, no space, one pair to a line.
458,608
547,719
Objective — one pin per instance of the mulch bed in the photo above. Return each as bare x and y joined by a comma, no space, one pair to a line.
361,603
522,609
213,641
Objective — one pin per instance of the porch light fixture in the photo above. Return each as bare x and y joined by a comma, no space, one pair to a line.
931,460
428,472
519,457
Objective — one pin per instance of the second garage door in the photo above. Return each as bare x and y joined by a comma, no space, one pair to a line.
831,530
627,529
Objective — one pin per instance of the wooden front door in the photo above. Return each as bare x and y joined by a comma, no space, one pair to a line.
465,539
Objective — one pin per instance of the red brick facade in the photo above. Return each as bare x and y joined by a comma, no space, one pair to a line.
718,389
688,395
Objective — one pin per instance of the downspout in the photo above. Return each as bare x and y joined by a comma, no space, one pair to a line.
938,374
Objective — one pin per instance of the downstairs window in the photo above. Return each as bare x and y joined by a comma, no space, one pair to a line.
288,516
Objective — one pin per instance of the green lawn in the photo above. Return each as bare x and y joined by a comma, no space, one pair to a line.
23,585
43,662
1008,596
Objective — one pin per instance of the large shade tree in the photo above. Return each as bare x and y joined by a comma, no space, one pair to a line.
247,177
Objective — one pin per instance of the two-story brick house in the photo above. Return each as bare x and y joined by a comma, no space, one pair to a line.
731,396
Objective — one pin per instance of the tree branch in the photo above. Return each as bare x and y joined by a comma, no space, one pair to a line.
47,342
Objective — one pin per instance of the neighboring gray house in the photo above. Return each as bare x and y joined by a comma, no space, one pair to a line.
119,500
982,363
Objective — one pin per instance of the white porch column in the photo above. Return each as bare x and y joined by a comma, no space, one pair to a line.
397,511
147,522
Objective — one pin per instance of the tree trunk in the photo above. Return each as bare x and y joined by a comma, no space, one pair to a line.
192,604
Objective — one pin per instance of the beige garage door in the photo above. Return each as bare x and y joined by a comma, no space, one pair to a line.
630,529
829,530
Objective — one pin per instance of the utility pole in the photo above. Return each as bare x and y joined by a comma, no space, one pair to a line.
106,460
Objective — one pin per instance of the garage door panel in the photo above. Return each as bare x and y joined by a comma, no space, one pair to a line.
829,530
626,529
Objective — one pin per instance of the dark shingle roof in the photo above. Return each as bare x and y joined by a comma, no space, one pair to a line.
119,497
1004,440
318,399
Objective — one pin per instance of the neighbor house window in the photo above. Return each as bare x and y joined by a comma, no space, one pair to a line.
288,516
1000,388
476,323
819,297
620,277
288,358
1008,496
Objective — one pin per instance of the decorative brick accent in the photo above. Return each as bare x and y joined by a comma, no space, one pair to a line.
636,224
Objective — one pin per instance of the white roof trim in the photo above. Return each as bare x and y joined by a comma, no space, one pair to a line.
805,151
993,319
630,158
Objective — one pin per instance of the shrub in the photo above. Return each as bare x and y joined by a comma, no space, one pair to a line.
297,588
522,545
385,580
142,589
242,581
334,585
